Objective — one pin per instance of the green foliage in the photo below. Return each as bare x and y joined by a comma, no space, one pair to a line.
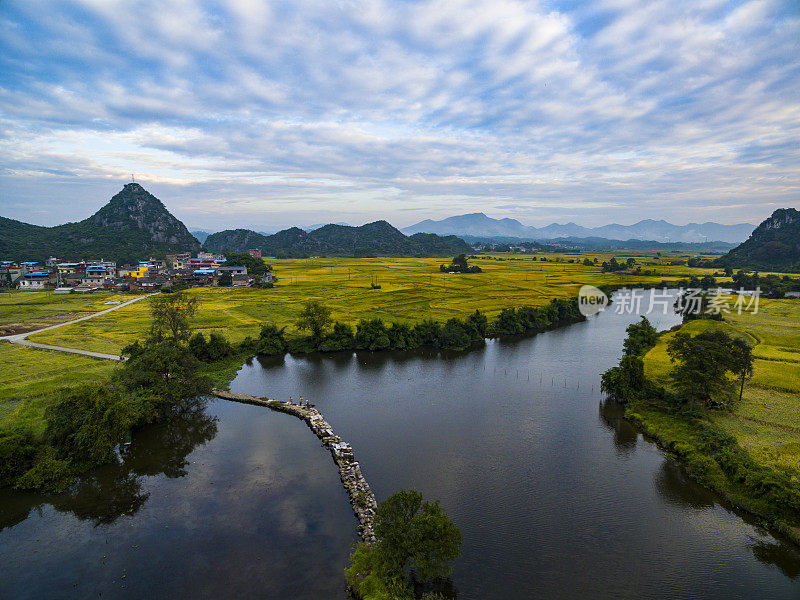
315,317
641,337
87,422
404,337
369,577
340,339
626,381
166,372
255,266
459,265
225,280
171,314
416,534
49,474
703,365
271,341
428,332
479,322
198,346
218,347
372,334
17,451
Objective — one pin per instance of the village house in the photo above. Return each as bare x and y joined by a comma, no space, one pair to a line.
233,270
37,280
255,252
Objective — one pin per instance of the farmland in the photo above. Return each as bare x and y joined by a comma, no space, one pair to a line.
767,421
410,290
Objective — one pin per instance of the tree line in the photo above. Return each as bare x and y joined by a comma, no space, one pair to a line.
326,335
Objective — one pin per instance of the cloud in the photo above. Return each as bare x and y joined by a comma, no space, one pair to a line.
245,112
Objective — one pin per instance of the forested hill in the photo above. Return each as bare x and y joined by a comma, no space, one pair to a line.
773,246
134,225
373,239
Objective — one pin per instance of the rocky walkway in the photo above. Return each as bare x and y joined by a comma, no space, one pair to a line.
361,496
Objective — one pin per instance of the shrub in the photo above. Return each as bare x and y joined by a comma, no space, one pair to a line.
270,341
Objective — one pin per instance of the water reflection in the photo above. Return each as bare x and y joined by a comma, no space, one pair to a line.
108,492
675,487
612,415
784,557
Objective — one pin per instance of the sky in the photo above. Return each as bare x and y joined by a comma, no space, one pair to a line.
270,114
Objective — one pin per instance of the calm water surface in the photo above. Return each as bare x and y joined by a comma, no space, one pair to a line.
556,495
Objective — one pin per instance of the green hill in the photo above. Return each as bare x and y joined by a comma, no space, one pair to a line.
773,246
134,225
373,239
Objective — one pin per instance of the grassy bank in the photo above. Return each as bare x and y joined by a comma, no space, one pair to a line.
741,452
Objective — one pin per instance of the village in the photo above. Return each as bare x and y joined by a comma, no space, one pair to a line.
175,271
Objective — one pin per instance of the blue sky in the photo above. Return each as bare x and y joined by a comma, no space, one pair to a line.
262,115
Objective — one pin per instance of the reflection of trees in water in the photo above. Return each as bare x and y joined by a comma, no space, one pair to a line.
612,415
109,491
675,487
783,556
443,586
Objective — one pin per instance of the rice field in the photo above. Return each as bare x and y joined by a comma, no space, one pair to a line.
411,289
767,421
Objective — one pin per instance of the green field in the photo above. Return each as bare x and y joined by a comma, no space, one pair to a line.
767,421
30,376
25,311
411,290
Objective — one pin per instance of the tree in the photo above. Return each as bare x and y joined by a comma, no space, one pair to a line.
171,314
703,362
641,337
270,341
226,279
626,381
315,317
255,266
742,361
416,534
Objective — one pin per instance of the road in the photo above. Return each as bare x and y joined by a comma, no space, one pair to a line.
22,338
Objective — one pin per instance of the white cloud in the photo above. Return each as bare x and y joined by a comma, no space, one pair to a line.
626,109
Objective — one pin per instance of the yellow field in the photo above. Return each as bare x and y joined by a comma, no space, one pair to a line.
767,421
412,289
24,311
30,375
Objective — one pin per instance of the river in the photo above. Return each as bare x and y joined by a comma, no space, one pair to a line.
556,495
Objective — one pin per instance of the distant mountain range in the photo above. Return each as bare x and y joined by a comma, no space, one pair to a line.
773,246
132,226
373,239
478,225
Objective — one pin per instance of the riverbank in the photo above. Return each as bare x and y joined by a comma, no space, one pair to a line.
749,454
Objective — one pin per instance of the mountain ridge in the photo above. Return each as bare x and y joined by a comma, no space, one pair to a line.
773,246
378,238
133,225
481,225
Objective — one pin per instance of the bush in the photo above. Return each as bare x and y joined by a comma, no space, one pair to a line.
17,451
48,475
198,346
372,334
428,332
218,347
341,338
270,341
87,422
